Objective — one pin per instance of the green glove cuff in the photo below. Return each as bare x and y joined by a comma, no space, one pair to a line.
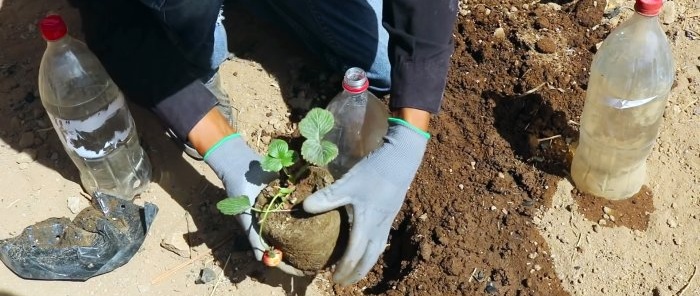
394,120
219,143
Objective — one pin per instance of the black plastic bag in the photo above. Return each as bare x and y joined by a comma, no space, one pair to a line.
100,239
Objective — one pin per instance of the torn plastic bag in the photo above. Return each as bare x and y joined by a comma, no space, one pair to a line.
100,239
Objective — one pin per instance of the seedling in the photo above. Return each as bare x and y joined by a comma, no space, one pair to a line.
280,159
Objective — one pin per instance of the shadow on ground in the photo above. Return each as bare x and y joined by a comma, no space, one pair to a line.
24,126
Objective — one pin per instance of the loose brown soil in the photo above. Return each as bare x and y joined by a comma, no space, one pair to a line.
500,144
632,212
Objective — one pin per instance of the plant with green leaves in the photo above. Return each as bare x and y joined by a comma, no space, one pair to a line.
280,159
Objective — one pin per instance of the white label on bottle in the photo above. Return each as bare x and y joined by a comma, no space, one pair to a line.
75,131
624,104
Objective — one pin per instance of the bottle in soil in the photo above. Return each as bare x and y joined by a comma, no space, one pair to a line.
360,122
90,115
631,78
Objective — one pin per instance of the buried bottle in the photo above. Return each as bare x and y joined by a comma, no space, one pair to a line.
631,78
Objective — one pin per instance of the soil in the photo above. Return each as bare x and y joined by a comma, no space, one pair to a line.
308,242
632,212
491,210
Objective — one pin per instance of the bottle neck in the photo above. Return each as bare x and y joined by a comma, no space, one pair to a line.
63,41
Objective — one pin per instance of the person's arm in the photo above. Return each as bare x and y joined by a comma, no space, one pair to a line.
420,46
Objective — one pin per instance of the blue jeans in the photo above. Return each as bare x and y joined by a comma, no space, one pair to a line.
344,40
347,33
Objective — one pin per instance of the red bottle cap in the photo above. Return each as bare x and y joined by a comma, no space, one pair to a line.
355,80
648,7
52,27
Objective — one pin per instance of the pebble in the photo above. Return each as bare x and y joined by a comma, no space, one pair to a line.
606,210
74,204
612,218
461,186
538,267
26,140
602,222
532,255
606,216
596,228
501,175
500,34
672,223
176,243
206,275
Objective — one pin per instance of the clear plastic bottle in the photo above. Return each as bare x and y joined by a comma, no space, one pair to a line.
361,121
90,115
631,78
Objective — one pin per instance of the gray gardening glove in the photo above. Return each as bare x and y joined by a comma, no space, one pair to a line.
238,166
375,188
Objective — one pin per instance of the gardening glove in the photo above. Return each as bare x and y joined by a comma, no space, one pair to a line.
238,167
375,188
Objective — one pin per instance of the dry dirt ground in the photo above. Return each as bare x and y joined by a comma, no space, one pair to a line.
270,79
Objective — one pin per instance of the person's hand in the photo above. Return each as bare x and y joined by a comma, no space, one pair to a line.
375,188
238,167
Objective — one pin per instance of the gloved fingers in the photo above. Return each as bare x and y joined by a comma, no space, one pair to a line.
374,250
246,222
326,199
357,245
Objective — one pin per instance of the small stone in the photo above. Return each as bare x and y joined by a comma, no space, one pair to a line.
491,288
672,223
612,218
26,140
206,275
501,175
266,139
602,222
607,210
423,216
176,243
463,12
596,228
487,11
546,45
538,267
500,34
425,251
606,216
461,186
554,6
74,204
513,9
532,255
493,208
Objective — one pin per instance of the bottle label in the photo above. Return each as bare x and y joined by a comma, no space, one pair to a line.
100,133
624,104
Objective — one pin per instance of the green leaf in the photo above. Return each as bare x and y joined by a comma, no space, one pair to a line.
316,124
277,148
288,158
271,164
319,152
234,205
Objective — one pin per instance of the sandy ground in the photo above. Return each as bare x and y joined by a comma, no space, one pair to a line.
662,259
612,261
